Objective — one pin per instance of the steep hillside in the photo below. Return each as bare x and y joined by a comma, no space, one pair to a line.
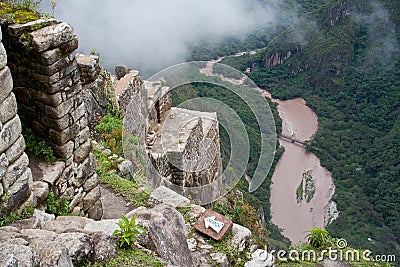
343,58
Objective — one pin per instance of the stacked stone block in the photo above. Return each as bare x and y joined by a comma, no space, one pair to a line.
49,94
89,67
134,100
159,103
127,88
15,175
98,88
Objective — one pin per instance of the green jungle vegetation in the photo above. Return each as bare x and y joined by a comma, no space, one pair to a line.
344,62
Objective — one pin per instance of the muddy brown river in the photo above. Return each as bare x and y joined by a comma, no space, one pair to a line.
296,169
292,216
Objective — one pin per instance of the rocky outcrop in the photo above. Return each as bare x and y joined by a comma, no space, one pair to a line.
331,213
165,195
338,13
45,241
165,233
278,57
72,241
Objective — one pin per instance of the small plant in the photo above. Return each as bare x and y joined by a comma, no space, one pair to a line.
110,133
56,206
93,52
128,232
38,148
15,216
53,7
318,238
21,11
28,5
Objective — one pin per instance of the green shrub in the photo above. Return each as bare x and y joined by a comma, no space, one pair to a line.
109,132
38,148
15,216
128,232
318,238
58,207
109,123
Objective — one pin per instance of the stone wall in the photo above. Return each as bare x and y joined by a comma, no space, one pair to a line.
97,87
159,103
15,175
49,95
132,97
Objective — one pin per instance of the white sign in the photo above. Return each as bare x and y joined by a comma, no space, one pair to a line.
215,225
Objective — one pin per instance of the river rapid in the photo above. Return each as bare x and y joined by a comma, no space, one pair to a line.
301,189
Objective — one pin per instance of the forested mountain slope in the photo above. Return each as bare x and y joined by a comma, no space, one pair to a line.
343,58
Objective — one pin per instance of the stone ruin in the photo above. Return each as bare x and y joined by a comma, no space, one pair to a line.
47,87
164,133
182,145
60,94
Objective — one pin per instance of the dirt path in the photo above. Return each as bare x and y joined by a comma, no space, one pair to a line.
113,204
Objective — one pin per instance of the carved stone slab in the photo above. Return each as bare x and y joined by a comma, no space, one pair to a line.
200,225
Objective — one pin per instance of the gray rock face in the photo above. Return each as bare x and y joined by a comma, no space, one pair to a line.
27,223
192,244
80,246
3,56
20,190
220,258
121,71
52,36
15,170
240,237
40,190
52,253
165,195
64,243
104,246
165,234
43,217
3,164
105,226
16,150
18,255
59,227
126,168
6,85
8,108
10,132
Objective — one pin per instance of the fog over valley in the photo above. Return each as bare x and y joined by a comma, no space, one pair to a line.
151,35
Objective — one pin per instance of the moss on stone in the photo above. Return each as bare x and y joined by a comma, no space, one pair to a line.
17,14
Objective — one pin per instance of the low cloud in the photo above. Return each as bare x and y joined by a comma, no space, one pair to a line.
382,44
152,34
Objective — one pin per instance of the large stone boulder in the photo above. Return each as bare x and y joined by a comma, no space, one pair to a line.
165,233
240,237
80,246
165,195
18,255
